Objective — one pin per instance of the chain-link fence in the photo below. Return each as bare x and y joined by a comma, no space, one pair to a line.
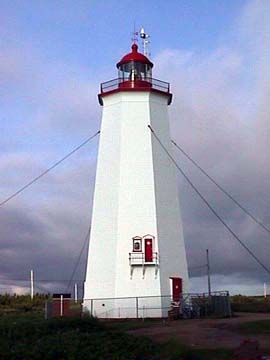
189,305
128,307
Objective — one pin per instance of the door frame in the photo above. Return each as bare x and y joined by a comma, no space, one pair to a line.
176,281
148,257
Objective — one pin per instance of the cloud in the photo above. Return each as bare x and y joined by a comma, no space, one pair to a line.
48,107
45,97
220,117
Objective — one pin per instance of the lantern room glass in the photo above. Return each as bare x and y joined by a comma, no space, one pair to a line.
134,70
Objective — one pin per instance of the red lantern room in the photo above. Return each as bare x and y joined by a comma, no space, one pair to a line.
134,74
135,70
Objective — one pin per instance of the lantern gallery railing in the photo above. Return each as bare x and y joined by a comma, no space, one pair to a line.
125,83
140,259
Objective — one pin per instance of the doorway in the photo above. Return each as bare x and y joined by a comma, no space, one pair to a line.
176,288
148,244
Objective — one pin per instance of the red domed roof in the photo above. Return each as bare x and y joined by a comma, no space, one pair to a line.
134,56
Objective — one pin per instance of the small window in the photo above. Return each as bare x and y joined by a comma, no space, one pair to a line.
137,244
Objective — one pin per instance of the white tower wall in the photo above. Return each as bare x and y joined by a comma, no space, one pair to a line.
135,195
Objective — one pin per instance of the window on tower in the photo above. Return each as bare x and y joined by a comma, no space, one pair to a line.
137,244
133,71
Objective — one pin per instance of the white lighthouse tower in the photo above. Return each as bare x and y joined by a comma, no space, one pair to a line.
137,261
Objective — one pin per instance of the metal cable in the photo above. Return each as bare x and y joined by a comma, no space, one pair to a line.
48,170
79,258
259,222
208,204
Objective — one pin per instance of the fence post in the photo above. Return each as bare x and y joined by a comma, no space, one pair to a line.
46,310
61,305
92,307
137,308
76,293
32,284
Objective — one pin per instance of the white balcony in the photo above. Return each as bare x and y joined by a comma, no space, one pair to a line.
137,259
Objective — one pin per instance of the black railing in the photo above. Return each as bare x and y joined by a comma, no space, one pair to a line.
150,83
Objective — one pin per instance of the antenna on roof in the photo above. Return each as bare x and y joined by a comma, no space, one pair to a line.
145,42
135,35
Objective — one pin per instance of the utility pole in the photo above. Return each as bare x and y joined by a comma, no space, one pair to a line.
32,284
208,272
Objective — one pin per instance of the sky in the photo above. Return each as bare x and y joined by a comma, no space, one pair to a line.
53,57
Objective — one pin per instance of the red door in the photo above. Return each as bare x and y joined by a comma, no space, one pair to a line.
176,288
148,250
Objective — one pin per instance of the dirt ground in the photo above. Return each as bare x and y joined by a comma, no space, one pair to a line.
207,333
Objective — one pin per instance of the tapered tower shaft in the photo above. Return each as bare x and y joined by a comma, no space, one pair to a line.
136,242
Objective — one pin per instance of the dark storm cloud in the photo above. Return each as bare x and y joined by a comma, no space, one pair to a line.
47,234
220,116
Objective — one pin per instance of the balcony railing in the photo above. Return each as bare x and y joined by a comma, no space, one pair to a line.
138,259
146,83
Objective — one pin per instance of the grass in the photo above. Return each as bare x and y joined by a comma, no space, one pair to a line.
10,304
25,335
254,304
125,325
30,337
255,327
